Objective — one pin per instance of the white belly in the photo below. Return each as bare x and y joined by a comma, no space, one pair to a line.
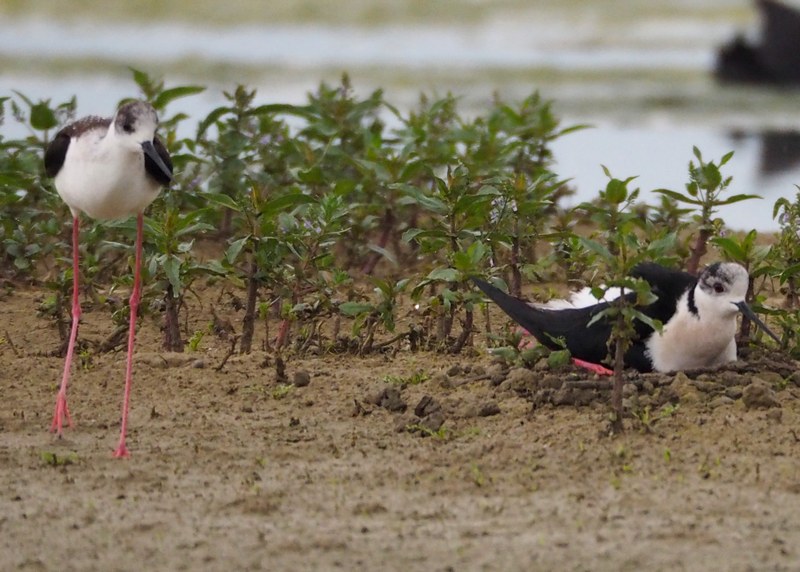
689,343
105,181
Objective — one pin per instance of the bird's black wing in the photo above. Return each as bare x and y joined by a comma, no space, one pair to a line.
570,324
669,285
55,153
153,169
56,150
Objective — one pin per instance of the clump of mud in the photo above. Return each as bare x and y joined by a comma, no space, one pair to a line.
760,380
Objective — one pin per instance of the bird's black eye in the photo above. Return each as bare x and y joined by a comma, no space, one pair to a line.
128,127
719,288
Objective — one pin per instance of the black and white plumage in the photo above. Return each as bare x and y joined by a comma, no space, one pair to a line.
107,168
698,316
110,167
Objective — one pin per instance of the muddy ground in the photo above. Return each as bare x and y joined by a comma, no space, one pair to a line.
477,467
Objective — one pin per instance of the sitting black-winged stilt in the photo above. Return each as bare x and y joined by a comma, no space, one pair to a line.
107,168
698,316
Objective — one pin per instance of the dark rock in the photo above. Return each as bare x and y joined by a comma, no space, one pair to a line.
432,422
301,378
488,409
389,398
426,406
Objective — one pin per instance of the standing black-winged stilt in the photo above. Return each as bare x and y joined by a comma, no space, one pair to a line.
107,168
698,316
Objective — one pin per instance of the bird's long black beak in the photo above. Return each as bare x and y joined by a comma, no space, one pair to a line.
151,153
747,311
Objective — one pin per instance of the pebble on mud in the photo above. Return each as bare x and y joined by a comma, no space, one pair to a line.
301,378
388,398
426,406
759,395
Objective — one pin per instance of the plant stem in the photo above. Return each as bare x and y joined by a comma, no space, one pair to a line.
171,341
616,393
387,224
249,320
698,250
465,333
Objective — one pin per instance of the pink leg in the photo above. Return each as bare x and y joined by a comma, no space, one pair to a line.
122,450
593,367
62,412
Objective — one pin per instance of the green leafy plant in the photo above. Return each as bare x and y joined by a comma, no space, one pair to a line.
705,190
618,250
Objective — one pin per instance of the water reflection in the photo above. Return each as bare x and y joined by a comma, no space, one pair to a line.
641,73
780,152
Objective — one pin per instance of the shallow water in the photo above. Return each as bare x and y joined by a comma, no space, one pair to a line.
640,73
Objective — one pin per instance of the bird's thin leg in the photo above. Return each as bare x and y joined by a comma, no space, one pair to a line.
62,412
122,450
593,367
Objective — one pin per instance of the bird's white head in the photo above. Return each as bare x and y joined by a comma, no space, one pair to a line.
135,123
721,288
134,127
721,291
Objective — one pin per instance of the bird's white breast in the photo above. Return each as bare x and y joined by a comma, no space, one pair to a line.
104,178
689,341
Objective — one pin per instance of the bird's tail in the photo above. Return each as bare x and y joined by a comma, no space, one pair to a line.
522,313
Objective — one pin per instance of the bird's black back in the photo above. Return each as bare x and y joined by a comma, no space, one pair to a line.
589,342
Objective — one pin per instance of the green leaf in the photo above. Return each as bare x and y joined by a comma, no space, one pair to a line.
680,197
421,234
210,119
558,359
223,200
285,202
168,95
427,202
140,77
732,248
42,117
172,267
738,199
387,254
444,275
355,308
725,158
596,247
232,253
616,192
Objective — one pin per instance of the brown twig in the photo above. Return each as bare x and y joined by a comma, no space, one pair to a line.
14,349
227,356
